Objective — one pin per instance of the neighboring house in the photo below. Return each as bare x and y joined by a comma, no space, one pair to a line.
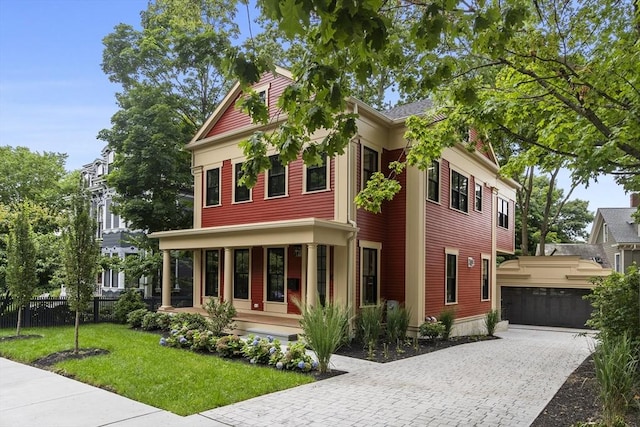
619,234
592,252
112,232
298,235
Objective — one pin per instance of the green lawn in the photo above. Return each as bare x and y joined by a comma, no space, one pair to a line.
139,368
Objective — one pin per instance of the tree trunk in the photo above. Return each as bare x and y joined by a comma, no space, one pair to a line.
19,321
77,348
527,188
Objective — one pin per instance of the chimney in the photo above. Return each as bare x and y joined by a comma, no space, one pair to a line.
635,200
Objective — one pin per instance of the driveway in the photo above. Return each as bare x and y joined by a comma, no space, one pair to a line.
504,382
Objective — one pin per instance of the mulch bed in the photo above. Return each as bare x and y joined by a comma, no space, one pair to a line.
53,358
18,337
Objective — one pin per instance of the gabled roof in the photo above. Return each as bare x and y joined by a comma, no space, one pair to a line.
620,224
593,252
412,109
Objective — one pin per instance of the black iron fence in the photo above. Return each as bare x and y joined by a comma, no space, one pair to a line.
42,312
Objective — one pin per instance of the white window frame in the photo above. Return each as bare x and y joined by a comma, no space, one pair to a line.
233,276
266,182
483,258
365,244
263,88
617,262
451,172
439,201
456,252
328,179
499,212
206,188
480,186
265,275
204,265
233,184
363,183
605,233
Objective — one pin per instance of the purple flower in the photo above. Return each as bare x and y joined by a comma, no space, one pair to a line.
174,331
314,365
256,342
301,364
279,365
183,340
270,338
272,350
163,341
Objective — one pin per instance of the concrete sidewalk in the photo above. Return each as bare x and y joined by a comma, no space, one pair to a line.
504,382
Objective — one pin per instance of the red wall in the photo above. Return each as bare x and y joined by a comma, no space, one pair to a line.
294,270
295,206
470,233
233,118
257,277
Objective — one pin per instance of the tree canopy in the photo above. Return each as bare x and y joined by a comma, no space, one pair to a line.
554,77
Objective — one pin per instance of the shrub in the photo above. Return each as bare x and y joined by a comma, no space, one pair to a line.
432,329
221,315
203,341
134,318
616,363
261,350
128,301
491,320
229,346
296,358
398,323
447,317
325,329
150,322
369,324
188,321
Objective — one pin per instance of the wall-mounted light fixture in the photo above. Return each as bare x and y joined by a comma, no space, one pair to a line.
297,251
471,262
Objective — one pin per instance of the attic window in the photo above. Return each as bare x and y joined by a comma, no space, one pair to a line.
605,233
263,93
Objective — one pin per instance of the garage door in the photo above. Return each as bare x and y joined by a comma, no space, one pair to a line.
546,306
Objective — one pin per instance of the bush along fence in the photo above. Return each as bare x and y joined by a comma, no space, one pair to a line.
42,312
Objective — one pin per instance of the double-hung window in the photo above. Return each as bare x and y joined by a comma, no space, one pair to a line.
276,178
212,270
369,164
503,213
213,187
369,276
317,176
485,279
459,191
433,181
478,204
241,193
275,274
451,284
241,274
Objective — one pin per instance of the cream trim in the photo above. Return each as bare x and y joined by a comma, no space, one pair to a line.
243,302
486,257
452,169
267,173
265,277
234,164
426,173
327,170
364,144
203,271
206,187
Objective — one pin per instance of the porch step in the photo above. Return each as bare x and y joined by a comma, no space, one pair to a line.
280,335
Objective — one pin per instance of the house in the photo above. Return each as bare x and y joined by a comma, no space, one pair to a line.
297,235
619,234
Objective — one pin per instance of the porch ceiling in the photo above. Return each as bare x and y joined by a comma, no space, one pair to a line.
308,230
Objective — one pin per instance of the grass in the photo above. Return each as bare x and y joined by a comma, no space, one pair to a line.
137,367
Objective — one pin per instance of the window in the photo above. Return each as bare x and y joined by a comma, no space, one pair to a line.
617,266
317,176
275,274
605,233
503,213
213,187
433,181
369,164
322,273
479,197
276,178
452,279
485,278
459,191
211,273
369,276
241,274
241,193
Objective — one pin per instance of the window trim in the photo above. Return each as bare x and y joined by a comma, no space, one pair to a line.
438,182
377,246
206,186
484,258
605,232
327,169
234,272
478,186
327,273
235,186
267,177
263,88
284,274
365,146
501,203
206,273
617,262
451,190
451,252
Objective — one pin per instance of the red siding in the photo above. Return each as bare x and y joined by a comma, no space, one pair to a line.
296,205
257,275
470,234
294,271
233,118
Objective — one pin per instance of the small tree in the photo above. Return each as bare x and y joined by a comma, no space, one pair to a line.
21,262
81,255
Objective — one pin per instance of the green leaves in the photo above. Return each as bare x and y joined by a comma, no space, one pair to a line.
379,188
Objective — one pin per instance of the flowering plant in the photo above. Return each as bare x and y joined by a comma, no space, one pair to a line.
261,350
229,346
295,358
432,328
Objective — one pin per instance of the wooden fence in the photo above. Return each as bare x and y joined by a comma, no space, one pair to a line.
42,312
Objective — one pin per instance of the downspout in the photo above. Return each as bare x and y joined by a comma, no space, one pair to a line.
350,197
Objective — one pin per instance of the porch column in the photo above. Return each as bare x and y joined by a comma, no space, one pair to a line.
166,281
312,274
228,276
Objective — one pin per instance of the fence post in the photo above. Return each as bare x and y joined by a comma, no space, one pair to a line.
96,310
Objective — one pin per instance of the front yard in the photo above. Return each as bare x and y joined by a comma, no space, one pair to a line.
137,367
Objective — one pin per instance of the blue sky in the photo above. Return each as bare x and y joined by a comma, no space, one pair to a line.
55,97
